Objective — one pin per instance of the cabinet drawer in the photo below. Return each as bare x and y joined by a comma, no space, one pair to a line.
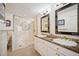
66,52
51,52
62,50
51,45
42,41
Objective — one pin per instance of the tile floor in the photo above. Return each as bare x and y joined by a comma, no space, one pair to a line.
28,51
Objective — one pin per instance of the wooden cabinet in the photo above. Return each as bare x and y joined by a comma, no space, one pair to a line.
46,48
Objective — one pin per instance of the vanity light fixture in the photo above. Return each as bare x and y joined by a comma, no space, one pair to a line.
59,4
46,12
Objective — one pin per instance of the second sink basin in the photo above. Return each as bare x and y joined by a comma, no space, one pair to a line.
65,42
42,35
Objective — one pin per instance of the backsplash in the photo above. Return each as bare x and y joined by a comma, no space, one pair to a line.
68,36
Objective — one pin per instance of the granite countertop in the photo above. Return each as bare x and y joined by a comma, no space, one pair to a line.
73,48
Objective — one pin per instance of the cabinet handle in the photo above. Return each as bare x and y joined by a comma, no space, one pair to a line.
57,54
57,49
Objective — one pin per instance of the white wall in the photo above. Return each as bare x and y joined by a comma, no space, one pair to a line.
52,19
3,42
4,35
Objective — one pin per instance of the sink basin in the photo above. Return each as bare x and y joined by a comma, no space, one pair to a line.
42,35
65,42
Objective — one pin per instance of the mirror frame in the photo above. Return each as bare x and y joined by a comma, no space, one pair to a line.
56,17
48,31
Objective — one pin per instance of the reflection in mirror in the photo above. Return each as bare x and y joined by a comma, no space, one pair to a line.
45,23
2,17
67,19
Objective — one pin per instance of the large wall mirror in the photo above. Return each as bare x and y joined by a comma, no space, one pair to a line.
2,16
45,24
67,19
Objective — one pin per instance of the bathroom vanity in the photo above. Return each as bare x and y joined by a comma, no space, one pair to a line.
67,22
47,47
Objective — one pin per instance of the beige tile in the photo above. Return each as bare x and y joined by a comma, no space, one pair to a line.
28,51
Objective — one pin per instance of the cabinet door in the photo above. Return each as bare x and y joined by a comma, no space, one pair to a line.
66,52
40,46
51,52
62,50
35,43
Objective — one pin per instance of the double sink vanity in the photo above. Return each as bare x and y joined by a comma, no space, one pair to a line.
66,22
48,45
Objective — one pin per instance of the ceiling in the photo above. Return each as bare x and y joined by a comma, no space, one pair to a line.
26,9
